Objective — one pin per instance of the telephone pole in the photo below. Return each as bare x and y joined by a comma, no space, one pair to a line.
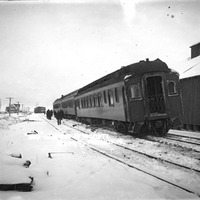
10,98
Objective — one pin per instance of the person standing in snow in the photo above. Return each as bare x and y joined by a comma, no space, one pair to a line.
51,113
59,116
48,113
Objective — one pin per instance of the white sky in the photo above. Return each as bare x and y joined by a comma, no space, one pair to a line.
50,48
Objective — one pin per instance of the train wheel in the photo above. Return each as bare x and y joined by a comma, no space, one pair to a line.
162,130
121,127
144,129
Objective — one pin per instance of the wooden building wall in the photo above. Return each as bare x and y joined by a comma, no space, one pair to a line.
190,88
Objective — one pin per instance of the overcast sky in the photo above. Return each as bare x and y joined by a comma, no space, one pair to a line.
48,48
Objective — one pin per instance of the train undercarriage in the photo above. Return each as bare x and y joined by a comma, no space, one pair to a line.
156,127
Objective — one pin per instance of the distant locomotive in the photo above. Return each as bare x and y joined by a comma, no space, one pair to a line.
141,98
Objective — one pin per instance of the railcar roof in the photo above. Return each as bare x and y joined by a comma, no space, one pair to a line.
71,94
118,75
57,100
39,107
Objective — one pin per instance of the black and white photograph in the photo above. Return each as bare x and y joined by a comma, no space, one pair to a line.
99,99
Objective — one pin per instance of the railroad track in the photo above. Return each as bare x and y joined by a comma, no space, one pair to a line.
184,136
124,162
142,153
193,149
180,138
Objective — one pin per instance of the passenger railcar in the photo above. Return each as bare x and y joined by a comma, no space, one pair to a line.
57,105
68,105
141,97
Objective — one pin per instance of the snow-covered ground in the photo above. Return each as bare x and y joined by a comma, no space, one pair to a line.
74,170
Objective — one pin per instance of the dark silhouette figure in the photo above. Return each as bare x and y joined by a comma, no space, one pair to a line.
49,114
59,116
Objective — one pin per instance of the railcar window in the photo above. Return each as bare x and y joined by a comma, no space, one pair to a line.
172,88
77,103
81,103
94,102
110,98
87,102
99,100
84,102
104,96
64,104
116,95
91,105
135,92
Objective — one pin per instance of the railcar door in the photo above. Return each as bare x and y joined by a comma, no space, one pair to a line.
155,95
136,110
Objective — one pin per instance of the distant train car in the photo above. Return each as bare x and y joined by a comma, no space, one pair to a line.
68,105
40,109
142,97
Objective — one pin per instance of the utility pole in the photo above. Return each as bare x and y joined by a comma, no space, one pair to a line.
0,105
10,103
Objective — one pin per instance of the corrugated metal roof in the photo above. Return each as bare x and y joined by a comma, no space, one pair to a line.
191,68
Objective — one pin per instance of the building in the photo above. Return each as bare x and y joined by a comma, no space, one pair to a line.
14,108
190,87
195,50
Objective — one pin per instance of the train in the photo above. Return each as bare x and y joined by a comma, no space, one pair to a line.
139,98
39,109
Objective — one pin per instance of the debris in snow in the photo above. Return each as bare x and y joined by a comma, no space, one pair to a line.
14,176
23,187
33,132
16,155
27,163
49,154
13,159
